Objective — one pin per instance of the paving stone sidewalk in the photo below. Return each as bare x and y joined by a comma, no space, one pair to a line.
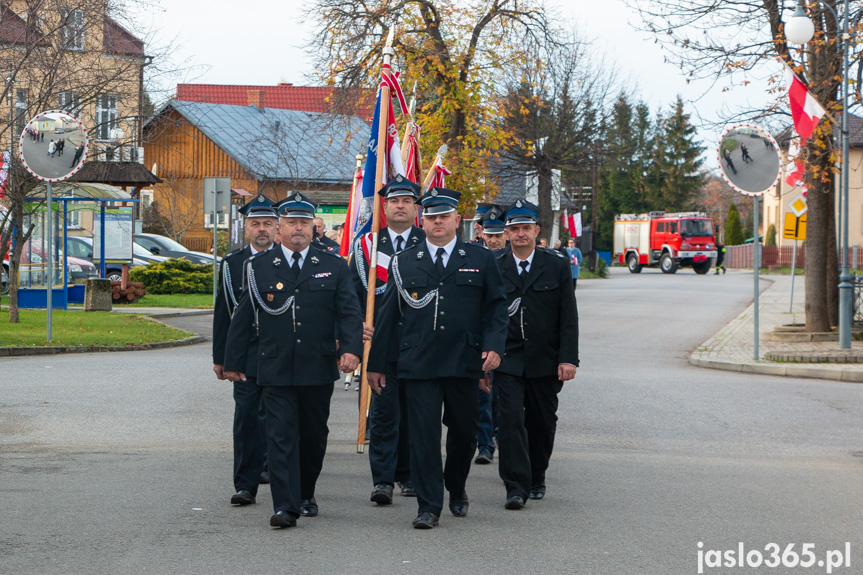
732,347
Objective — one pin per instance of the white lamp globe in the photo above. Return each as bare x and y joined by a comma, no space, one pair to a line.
799,29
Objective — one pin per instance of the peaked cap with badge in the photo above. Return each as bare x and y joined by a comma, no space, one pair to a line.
400,186
522,212
296,205
439,201
492,220
260,207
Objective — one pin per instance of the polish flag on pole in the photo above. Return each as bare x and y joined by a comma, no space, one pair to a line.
795,169
806,112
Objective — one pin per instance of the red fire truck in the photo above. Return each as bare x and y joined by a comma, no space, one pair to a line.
665,240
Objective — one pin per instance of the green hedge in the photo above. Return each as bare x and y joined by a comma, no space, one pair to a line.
174,276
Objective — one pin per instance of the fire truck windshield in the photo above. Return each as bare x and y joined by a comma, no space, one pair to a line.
696,228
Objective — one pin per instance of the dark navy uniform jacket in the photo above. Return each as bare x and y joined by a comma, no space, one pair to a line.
360,271
543,330
297,347
446,340
225,305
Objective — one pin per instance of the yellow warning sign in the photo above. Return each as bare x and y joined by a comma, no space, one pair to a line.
795,227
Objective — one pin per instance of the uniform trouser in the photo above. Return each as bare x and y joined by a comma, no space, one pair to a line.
527,420
425,398
389,454
250,435
296,441
485,422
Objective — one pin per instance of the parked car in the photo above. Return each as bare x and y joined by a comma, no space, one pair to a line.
164,246
82,247
78,270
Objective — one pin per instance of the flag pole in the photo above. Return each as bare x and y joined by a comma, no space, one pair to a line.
348,232
438,160
380,176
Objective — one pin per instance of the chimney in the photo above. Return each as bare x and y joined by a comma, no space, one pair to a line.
256,98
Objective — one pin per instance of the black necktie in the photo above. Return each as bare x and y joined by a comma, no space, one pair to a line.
439,263
400,241
295,267
523,265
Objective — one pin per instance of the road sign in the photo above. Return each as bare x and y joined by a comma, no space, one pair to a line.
218,191
795,227
798,206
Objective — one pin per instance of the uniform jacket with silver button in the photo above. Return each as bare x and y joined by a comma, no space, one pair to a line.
385,246
447,336
225,305
543,330
297,347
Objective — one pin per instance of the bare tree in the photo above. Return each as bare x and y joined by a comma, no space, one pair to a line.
552,107
732,41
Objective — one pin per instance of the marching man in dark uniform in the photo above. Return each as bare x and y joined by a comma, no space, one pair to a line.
250,439
300,301
389,456
481,209
541,354
494,239
444,315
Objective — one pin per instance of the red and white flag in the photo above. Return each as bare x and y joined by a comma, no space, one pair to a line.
439,178
795,169
572,223
351,216
806,112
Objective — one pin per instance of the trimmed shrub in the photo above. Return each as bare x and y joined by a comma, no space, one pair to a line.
733,230
174,276
770,239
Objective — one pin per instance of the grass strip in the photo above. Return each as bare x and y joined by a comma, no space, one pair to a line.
79,328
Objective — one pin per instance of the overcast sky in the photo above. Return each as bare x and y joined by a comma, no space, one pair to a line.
260,42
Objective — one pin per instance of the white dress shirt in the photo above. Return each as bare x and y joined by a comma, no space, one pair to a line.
447,248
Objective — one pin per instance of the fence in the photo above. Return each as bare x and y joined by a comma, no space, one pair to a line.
198,244
741,256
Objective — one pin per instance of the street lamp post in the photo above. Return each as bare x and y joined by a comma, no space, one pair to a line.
800,30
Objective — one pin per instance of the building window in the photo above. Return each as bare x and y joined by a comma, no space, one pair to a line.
73,216
106,115
73,29
71,102
222,219
21,118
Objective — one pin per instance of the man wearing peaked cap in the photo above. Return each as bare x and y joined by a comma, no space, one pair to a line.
481,209
250,442
493,227
300,301
541,354
442,322
389,456
493,238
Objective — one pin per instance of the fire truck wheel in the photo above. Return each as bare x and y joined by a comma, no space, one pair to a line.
701,268
667,264
632,264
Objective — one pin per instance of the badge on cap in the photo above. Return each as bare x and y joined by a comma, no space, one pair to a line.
518,203
261,198
434,193
299,198
399,178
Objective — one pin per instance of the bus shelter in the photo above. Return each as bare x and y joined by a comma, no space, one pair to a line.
111,223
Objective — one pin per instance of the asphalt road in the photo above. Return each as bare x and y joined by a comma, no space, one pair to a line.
121,463
36,154
761,172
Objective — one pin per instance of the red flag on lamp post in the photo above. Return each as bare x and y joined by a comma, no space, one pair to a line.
806,112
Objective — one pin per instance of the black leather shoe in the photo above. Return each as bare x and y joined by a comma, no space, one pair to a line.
514,502
265,478
458,505
309,508
537,492
383,494
425,520
407,488
283,519
242,497
484,457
